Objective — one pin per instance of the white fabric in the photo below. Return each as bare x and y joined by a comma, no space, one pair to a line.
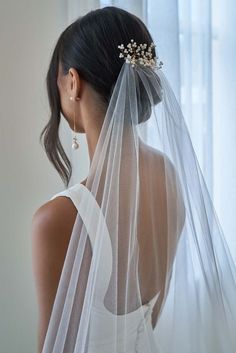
134,321
146,210
196,42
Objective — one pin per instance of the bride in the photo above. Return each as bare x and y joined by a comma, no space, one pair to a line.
133,258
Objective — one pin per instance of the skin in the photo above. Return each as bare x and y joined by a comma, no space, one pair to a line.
88,118
50,232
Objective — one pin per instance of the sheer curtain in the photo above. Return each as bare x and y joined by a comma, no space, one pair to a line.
195,40
224,115
208,80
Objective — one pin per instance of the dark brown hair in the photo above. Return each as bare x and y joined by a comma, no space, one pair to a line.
90,45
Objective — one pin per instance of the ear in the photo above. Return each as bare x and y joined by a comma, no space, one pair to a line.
74,83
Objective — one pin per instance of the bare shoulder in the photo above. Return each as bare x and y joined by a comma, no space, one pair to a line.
156,157
51,228
52,225
51,216
166,178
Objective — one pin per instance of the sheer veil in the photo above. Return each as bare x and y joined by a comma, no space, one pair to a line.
146,229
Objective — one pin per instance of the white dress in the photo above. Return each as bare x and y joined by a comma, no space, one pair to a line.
139,328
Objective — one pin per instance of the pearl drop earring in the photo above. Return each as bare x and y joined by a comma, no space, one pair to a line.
75,144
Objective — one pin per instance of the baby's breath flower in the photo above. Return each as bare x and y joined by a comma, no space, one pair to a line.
139,54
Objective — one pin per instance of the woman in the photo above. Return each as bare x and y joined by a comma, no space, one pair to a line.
132,259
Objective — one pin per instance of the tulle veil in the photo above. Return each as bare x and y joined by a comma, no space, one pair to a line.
146,228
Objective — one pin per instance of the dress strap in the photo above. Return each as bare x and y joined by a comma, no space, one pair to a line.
98,233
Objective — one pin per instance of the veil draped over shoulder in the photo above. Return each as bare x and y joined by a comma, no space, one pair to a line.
147,268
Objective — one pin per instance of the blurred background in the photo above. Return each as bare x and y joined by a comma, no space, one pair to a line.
195,39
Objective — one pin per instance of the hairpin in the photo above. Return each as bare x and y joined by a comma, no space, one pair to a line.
139,54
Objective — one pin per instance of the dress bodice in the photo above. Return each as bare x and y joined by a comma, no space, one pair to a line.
138,322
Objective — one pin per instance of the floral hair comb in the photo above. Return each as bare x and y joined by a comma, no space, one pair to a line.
139,54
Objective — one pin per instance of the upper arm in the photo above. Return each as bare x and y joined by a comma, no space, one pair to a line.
51,228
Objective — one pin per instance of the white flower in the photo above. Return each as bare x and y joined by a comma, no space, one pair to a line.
141,54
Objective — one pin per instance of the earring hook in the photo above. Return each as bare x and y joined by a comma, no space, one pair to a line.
75,144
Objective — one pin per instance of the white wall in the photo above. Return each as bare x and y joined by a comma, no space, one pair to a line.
28,31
